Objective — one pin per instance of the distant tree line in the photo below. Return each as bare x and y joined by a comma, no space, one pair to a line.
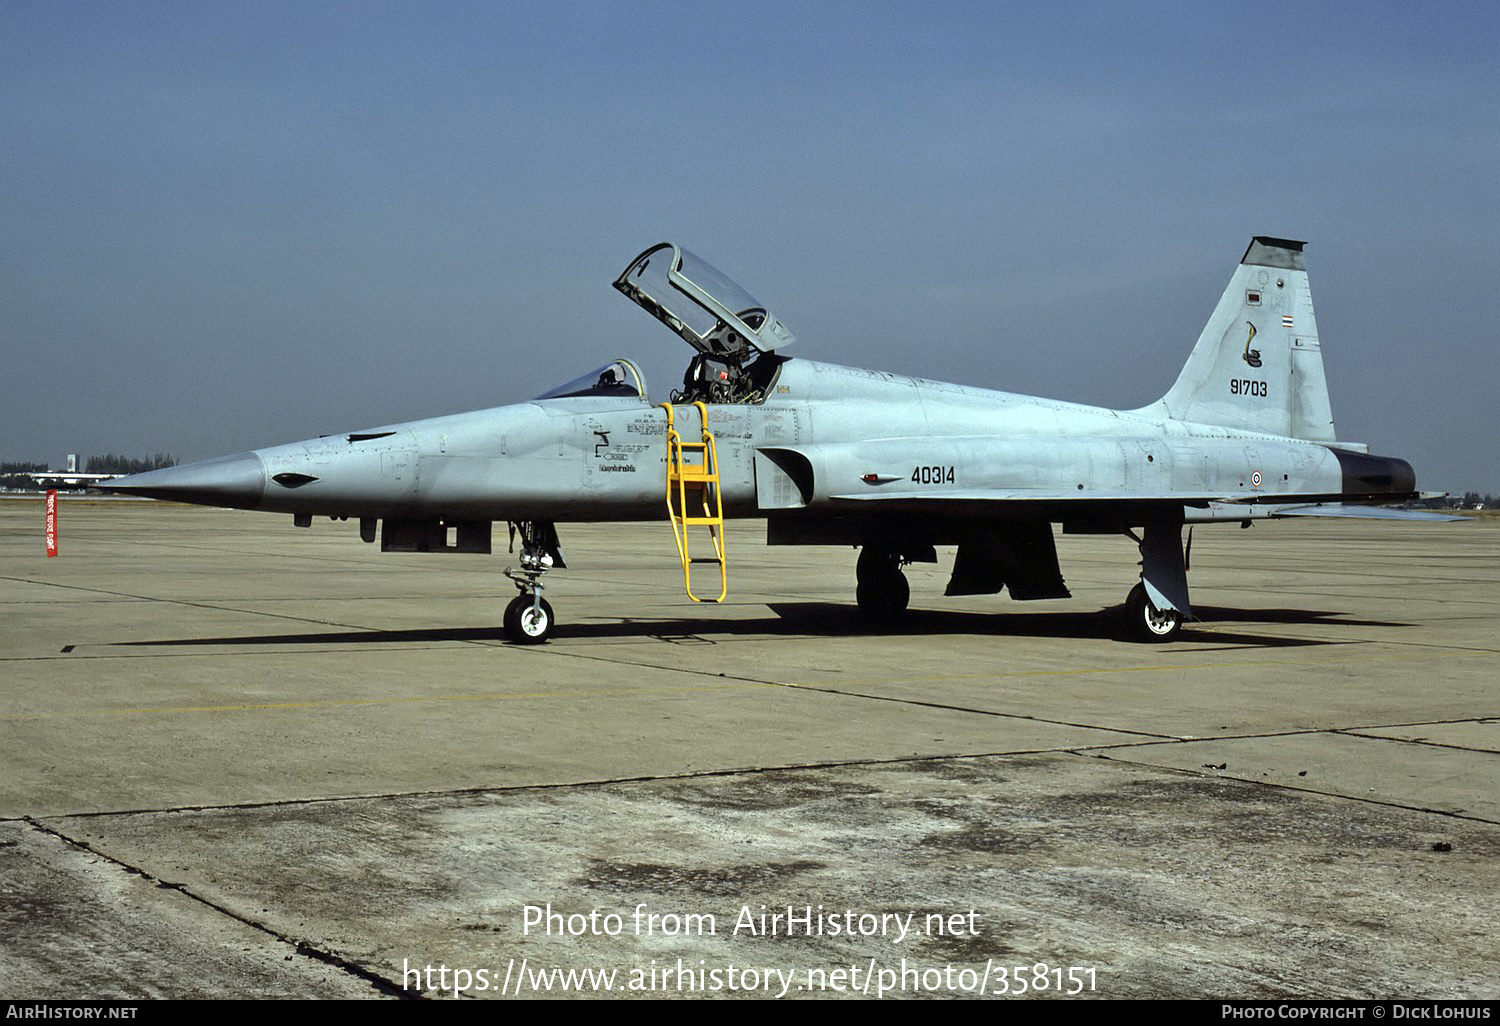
12,474
110,463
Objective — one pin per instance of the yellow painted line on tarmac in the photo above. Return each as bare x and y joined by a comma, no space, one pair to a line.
725,685
347,703
1013,674
1221,667
830,684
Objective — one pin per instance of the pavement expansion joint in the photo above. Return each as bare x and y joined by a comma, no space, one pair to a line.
795,686
1356,732
300,947
1276,784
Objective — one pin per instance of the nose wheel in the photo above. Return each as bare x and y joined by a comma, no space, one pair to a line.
529,619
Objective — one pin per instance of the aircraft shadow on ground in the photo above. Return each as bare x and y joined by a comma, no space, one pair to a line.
828,619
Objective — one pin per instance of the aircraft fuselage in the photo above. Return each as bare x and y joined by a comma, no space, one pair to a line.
604,458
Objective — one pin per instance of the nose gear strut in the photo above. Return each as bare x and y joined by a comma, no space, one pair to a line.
528,619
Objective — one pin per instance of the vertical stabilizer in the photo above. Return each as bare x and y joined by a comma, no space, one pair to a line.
1257,366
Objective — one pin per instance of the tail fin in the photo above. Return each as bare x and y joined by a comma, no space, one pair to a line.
1257,366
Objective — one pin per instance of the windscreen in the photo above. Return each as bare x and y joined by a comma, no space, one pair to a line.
619,379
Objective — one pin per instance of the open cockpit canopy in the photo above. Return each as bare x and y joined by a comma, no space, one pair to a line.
705,307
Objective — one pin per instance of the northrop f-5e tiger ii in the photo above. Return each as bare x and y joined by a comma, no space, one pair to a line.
894,465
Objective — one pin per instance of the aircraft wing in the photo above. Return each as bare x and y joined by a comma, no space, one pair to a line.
1336,509
1219,508
938,500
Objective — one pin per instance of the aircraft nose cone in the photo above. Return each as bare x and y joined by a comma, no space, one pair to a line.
237,481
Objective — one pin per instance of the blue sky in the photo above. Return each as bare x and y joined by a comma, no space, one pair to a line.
229,226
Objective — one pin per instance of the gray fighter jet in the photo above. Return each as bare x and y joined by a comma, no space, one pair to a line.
834,455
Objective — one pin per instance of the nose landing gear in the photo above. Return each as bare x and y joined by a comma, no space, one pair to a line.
528,618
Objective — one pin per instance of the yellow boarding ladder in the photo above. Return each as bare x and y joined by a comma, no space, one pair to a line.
693,499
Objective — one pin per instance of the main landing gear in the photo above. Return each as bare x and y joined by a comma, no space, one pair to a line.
529,619
881,589
1164,563
1146,622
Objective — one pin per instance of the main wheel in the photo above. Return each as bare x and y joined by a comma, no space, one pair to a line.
881,591
1147,623
528,622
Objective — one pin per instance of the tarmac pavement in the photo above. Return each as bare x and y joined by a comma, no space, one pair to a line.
243,759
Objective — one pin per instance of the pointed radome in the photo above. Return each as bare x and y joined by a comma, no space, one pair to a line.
237,481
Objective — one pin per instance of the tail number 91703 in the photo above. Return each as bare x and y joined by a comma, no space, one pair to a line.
932,475
1247,386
